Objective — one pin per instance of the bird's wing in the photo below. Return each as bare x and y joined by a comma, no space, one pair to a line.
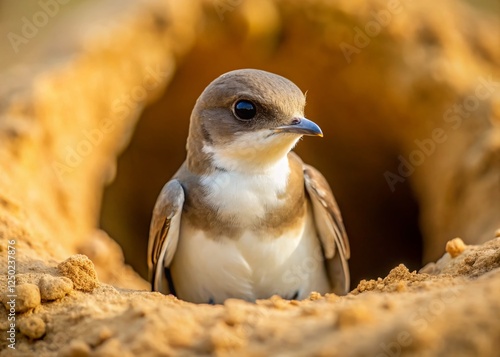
330,228
164,235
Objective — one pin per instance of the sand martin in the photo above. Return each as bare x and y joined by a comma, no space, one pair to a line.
244,217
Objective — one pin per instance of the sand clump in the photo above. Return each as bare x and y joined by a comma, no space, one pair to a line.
398,280
455,247
27,297
80,270
54,288
32,327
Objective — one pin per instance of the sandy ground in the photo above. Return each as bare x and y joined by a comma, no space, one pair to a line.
452,311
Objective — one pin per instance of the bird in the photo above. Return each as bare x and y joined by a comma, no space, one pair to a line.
244,217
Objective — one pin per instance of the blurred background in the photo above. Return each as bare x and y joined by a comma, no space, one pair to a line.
380,77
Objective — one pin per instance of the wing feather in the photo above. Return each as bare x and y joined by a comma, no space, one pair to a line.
330,228
164,235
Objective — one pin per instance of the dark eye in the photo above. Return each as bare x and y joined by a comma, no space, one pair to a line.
245,109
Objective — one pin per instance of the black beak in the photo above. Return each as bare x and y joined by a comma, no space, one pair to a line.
301,126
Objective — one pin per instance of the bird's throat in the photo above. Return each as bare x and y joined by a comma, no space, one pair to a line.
250,159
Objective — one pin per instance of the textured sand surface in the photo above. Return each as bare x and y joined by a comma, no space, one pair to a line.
452,312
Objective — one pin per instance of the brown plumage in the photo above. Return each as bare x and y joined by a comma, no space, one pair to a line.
243,213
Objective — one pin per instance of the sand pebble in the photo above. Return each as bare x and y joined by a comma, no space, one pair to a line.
28,297
54,288
32,327
455,247
80,270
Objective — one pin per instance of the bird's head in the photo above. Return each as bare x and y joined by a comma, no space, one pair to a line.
248,119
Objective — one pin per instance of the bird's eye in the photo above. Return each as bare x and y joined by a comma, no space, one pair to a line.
245,109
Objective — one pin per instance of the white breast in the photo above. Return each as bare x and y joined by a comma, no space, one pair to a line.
245,197
251,267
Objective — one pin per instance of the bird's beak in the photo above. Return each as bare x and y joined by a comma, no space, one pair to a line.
300,126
